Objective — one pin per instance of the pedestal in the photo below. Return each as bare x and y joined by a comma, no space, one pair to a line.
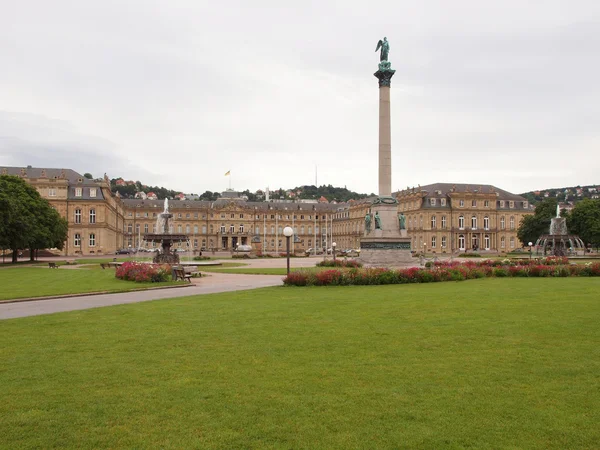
388,245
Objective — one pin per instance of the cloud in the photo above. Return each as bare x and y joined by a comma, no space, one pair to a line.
484,92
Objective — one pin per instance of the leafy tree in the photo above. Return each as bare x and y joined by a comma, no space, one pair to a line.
26,219
584,220
88,176
532,227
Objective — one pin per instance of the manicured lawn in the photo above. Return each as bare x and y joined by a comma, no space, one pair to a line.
490,363
24,282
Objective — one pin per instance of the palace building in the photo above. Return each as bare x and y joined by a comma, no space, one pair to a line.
440,218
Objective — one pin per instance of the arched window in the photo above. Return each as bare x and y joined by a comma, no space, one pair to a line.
443,241
232,228
512,242
187,229
433,241
179,229
92,215
502,223
145,228
486,241
486,223
461,241
195,229
461,222
309,230
302,230
502,242
241,228
433,221
474,222
77,240
92,240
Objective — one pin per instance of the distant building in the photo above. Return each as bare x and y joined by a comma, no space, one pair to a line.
151,196
140,194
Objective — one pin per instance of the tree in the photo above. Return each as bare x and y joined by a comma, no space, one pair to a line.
584,221
532,227
88,176
26,219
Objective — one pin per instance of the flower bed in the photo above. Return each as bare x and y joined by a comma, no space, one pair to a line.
455,271
141,272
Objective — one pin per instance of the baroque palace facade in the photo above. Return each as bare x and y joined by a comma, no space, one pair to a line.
440,218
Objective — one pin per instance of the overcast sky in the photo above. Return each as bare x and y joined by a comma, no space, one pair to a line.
176,93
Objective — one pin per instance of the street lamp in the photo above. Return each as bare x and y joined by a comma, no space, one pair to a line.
333,244
288,232
530,245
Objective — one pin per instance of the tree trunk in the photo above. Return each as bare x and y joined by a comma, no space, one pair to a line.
15,254
31,254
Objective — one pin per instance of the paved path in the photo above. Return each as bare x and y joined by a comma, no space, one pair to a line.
213,283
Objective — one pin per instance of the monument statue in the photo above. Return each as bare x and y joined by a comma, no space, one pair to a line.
368,222
377,221
385,49
402,221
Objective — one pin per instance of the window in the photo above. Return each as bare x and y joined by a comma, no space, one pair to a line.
241,216
461,203
486,241
196,229
222,216
51,192
309,230
474,222
203,229
502,223
179,230
302,230
486,223
461,241
222,229
78,216
525,205
512,222
432,201
501,203
78,192
137,228
146,228
512,242
433,221
130,228
257,230
486,203
461,222
187,229
154,228
272,229
77,241
433,241
443,241
92,192
502,242
232,216
443,221
232,228
511,204
443,201
280,229
92,215
301,216
92,240
241,228
474,203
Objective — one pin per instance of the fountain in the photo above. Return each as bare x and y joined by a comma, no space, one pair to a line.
559,242
165,238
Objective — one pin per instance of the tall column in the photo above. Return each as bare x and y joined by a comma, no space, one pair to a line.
384,75
385,143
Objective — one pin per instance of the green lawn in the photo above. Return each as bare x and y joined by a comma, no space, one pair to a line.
25,282
492,363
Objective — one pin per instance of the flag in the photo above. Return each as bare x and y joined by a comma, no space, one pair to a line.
228,173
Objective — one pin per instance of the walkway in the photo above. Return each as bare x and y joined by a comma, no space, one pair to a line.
212,283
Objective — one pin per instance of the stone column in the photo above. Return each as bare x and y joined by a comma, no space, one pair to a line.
384,75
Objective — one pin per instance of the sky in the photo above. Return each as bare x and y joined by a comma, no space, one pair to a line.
282,94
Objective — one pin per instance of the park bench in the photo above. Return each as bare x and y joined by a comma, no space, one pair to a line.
52,265
191,270
181,275
104,266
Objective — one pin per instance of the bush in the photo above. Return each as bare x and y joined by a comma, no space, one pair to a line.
201,258
469,255
339,263
141,272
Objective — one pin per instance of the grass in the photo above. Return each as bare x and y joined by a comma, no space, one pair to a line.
27,282
492,363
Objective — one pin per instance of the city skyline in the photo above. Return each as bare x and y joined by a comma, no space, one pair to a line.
502,94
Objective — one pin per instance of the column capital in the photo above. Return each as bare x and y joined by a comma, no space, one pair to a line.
385,74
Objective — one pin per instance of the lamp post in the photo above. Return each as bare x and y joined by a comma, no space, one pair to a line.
333,245
530,245
288,232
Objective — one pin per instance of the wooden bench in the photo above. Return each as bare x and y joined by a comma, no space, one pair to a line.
52,265
104,266
181,275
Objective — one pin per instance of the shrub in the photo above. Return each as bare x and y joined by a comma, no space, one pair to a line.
469,255
339,263
201,258
142,272
296,279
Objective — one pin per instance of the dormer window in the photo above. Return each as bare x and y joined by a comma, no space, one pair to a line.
525,205
501,203
474,203
461,203
443,201
511,204
92,192
78,192
432,201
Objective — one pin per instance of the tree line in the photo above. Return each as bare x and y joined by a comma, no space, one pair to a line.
27,221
